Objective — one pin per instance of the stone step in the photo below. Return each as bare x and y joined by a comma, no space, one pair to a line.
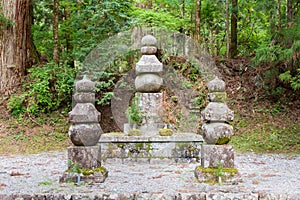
180,147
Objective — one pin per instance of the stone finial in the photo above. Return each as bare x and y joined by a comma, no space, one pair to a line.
216,85
149,45
85,85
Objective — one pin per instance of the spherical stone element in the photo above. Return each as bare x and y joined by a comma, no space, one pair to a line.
149,40
85,134
216,85
217,112
217,133
148,83
85,85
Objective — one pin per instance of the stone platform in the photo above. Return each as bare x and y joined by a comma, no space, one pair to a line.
180,147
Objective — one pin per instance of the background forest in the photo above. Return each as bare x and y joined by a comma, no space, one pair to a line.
255,44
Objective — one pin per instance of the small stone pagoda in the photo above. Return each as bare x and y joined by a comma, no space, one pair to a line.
84,158
217,158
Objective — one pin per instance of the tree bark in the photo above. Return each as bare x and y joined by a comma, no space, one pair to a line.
56,51
227,28
289,12
234,30
279,14
15,44
197,21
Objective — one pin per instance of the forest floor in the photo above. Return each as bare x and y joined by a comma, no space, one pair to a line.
267,122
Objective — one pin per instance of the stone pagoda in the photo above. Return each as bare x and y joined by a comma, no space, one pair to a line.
84,132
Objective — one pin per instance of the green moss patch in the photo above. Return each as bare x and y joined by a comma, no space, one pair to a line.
134,132
165,132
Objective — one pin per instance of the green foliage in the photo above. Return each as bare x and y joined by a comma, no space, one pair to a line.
134,112
294,81
48,88
153,18
4,21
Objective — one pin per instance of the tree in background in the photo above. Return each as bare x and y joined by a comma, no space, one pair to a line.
15,43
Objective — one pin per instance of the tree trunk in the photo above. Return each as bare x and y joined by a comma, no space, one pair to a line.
279,14
15,44
56,51
289,12
197,21
234,31
227,29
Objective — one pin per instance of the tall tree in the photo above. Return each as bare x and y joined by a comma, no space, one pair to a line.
234,29
56,51
15,43
198,20
227,28
289,12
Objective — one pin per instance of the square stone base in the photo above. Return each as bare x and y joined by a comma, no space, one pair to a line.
214,156
97,177
88,157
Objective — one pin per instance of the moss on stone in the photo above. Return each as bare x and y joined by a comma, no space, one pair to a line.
165,132
87,172
211,170
134,132
222,141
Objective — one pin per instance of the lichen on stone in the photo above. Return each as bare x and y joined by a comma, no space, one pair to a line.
165,132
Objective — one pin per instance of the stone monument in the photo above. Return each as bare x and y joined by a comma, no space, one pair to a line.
148,83
217,158
85,157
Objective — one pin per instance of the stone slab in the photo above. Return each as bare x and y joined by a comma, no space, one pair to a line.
215,155
151,149
86,157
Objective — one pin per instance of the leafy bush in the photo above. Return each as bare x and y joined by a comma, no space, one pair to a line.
48,88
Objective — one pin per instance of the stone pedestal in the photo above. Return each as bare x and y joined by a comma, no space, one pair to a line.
88,157
151,104
214,156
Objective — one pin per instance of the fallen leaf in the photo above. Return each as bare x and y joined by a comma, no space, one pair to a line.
268,175
16,174
255,182
2,185
188,191
158,176
177,172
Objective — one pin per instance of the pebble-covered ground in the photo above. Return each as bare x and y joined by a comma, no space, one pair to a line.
39,173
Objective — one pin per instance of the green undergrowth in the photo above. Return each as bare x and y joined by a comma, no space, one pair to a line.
27,135
266,130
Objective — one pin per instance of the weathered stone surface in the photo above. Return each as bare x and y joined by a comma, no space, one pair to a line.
149,40
218,112
171,149
148,83
217,133
148,50
149,64
84,113
85,134
85,157
97,177
84,97
216,155
227,176
216,85
85,85
217,97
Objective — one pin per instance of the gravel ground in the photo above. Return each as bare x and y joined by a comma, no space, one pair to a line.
39,173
